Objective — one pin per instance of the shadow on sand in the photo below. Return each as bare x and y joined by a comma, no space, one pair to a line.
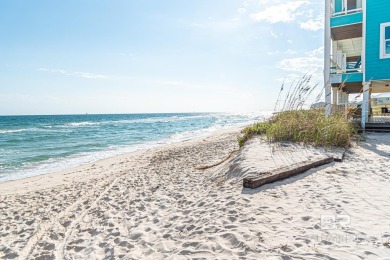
375,139
312,173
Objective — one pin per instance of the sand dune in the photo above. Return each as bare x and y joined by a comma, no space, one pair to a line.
158,204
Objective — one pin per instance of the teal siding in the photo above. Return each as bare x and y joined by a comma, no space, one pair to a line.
353,77
346,19
377,13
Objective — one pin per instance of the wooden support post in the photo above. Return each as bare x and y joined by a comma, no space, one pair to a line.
365,105
327,44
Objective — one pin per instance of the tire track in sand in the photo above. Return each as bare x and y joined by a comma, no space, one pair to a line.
45,227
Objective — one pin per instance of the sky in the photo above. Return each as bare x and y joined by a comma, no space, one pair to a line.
147,56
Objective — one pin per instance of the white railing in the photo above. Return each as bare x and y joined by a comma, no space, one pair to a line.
336,71
347,7
339,64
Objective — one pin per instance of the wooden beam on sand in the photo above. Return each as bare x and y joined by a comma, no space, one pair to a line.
339,157
284,173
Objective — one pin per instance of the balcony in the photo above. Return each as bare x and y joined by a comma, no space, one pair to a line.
343,70
345,7
346,68
346,12
346,56
342,65
346,64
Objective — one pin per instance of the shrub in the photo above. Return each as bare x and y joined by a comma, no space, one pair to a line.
249,131
304,126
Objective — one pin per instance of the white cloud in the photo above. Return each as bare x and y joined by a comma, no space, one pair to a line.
316,52
286,12
313,24
86,75
309,13
312,63
302,64
263,2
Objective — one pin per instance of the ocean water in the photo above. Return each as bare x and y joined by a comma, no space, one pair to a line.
33,145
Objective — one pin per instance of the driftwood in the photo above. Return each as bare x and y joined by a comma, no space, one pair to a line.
283,173
204,167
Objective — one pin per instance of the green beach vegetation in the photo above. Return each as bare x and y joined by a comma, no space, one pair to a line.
304,126
297,123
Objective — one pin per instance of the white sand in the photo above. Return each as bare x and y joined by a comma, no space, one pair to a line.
155,204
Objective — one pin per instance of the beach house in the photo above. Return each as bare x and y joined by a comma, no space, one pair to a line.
357,53
381,100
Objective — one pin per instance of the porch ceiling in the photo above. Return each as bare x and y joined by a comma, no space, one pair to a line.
351,87
382,86
347,32
352,47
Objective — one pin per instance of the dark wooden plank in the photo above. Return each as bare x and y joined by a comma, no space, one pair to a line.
337,154
283,173
339,158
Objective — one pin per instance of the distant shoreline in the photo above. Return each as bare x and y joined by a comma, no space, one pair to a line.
138,151
139,113
36,145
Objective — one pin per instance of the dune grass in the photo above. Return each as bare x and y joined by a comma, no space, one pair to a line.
296,123
304,126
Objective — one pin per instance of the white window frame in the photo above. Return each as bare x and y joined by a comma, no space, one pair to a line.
382,48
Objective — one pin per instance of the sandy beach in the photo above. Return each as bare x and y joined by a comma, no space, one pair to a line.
186,200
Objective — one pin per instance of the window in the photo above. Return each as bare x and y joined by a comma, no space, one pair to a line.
353,4
385,41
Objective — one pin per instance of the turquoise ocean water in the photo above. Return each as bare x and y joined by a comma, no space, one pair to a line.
33,145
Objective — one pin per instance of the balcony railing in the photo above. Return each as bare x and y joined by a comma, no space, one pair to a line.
334,70
344,7
339,64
